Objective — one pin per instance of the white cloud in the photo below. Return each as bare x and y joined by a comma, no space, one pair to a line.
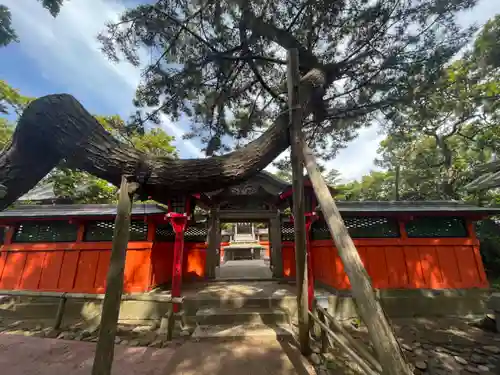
357,159
67,53
178,133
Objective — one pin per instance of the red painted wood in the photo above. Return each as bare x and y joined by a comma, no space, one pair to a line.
102,271
310,272
58,246
86,271
396,267
3,262
179,222
13,270
431,267
194,261
449,266
483,280
162,260
137,271
32,271
51,270
467,266
378,267
68,271
414,267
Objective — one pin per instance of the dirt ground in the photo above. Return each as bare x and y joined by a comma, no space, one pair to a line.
433,346
28,349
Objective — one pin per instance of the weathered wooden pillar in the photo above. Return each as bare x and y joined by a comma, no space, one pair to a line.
293,82
381,334
104,353
275,244
213,230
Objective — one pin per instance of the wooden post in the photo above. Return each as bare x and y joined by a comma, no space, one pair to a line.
381,334
179,224
213,228
323,334
299,220
104,353
60,312
275,244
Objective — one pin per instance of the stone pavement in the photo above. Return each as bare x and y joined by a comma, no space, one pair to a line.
22,355
244,269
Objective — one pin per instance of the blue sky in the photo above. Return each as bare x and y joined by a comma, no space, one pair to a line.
62,55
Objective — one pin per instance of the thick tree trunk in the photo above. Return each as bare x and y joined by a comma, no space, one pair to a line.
381,335
56,127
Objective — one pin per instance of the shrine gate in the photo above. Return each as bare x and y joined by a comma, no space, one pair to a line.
404,245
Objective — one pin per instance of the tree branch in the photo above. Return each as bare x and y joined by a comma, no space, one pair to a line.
57,127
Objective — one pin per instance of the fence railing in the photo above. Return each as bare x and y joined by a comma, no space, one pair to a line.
166,324
332,334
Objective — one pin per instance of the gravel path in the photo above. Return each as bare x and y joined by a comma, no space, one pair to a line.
441,346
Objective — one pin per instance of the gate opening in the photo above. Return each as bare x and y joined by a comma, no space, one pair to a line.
244,251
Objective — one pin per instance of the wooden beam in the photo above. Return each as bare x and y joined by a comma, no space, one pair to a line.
381,334
299,220
246,215
104,353
340,343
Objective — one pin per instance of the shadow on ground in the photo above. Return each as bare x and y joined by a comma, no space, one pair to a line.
438,346
27,355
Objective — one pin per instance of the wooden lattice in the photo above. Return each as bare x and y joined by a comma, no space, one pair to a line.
45,231
98,231
360,227
436,226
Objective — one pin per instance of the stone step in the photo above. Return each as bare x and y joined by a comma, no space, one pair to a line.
256,315
241,331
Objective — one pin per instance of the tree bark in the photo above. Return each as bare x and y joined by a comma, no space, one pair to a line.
57,127
299,211
104,352
381,334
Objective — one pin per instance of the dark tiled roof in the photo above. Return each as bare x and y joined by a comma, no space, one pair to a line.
63,210
413,207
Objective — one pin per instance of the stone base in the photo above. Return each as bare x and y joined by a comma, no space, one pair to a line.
411,303
273,295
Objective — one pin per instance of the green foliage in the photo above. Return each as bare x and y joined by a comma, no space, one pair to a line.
8,34
53,6
374,186
154,142
488,232
80,187
450,127
220,63
284,171
11,99
77,186
6,131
